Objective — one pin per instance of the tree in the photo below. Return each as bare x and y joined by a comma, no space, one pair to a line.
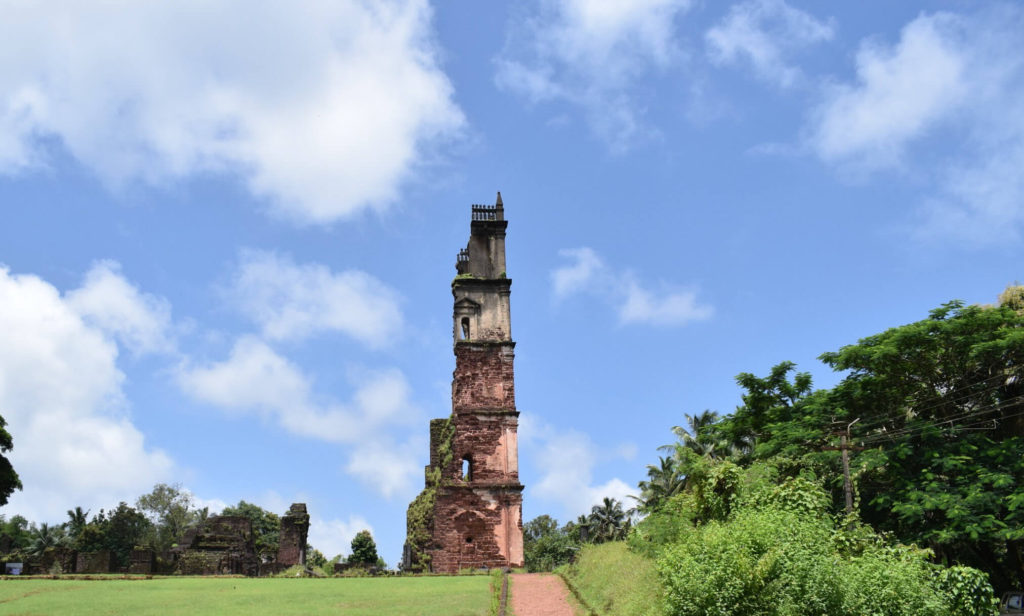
547,546
118,531
364,550
77,519
939,405
18,529
941,408
266,526
9,480
663,482
608,521
46,536
169,508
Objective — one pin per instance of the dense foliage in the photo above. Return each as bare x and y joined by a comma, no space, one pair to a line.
755,541
9,481
747,513
938,406
119,531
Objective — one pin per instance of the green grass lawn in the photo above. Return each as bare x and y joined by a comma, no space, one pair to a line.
416,596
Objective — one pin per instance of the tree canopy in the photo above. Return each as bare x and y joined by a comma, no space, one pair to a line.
935,411
9,480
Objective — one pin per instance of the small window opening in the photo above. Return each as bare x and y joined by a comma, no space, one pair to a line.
465,328
469,540
467,468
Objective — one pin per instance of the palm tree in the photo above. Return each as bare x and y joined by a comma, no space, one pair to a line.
46,536
77,519
608,521
663,482
701,438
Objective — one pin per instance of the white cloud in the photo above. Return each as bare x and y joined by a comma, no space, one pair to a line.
61,394
334,536
576,277
568,459
901,92
388,468
587,273
324,107
140,321
666,307
945,102
291,301
255,379
763,32
590,53
213,505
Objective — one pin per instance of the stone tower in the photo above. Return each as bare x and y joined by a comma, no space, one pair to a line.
470,514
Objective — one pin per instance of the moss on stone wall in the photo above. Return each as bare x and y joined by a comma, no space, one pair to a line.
419,519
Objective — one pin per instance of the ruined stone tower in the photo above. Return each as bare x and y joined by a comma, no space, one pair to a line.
470,513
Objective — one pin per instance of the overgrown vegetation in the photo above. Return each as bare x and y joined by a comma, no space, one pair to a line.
420,515
748,514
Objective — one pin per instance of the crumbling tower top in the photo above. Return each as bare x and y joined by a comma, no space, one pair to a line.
484,256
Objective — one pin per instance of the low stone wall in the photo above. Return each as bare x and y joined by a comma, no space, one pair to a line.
93,562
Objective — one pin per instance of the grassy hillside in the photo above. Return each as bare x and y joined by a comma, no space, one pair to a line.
428,596
615,581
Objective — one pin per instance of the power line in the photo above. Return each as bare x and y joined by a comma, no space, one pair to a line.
942,401
953,422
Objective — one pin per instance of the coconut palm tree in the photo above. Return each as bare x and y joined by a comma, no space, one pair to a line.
46,536
608,521
77,519
663,482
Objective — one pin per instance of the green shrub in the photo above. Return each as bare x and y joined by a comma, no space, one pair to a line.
967,592
759,562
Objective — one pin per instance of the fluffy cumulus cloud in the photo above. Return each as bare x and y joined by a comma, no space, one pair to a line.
141,322
255,380
61,393
568,459
762,33
634,301
901,91
589,53
391,469
950,78
322,107
291,301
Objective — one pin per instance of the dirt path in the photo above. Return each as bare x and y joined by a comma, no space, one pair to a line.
539,594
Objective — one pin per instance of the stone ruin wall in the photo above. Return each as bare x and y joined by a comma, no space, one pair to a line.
292,540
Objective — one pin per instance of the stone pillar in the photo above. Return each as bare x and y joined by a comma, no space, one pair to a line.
292,542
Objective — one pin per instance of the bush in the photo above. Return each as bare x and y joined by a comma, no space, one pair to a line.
759,562
967,592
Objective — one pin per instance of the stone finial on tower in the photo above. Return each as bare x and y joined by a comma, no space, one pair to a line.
499,208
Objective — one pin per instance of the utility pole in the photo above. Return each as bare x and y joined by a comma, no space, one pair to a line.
844,450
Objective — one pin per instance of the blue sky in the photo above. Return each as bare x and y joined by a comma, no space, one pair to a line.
229,228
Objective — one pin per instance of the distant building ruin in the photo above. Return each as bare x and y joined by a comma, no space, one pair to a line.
470,512
291,549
